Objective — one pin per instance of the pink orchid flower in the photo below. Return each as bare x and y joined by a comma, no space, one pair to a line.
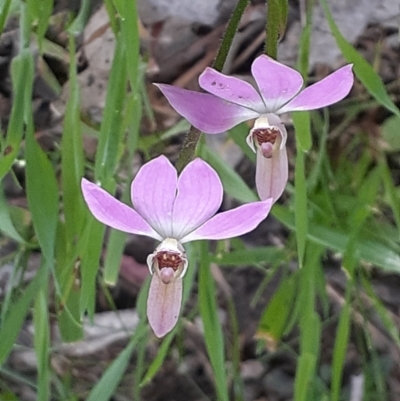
231,101
174,211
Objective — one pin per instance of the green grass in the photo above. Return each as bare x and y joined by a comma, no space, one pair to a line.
342,205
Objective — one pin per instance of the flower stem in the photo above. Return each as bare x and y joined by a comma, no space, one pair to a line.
276,24
229,35
193,136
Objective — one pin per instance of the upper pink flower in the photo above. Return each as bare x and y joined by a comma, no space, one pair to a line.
172,210
231,101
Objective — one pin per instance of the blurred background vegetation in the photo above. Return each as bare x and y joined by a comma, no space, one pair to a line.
304,308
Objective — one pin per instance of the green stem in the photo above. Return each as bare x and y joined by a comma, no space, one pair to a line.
4,14
229,34
276,23
193,136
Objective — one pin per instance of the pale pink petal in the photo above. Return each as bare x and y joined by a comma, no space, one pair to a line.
164,304
204,111
232,223
329,90
153,194
199,197
231,89
271,174
114,213
277,82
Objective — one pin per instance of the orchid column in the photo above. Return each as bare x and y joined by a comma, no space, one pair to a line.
230,101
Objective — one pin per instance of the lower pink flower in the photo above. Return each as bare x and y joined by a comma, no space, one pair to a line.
173,210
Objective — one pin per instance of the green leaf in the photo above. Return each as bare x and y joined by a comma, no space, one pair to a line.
213,334
148,141
90,266
363,70
301,210
12,323
107,158
111,132
66,279
42,342
253,256
159,359
340,347
302,126
106,386
72,156
304,374
232,182
113,257
6,5
365,250
239,134
390,133
274,318
42,194
22,67
385,314
42,191
6,224
310,324
41,12
130,36
78,25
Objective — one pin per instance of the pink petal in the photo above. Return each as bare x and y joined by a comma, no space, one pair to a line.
329,90
199,197
276,82
114,213
204,111
231,89
271,174
232,223
164,304
153,194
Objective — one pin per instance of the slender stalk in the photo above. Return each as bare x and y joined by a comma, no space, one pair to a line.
276,24
229,34
193,136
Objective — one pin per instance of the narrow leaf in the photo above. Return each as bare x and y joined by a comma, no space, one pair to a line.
363,70
232,182
12,323
106,386
212,326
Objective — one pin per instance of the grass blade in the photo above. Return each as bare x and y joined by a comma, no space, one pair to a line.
340,347
363,70
274,318
106,386
72,155
231,180
301,213
42,342
365,250
41,11
6,224
213,334
22,77
12,323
